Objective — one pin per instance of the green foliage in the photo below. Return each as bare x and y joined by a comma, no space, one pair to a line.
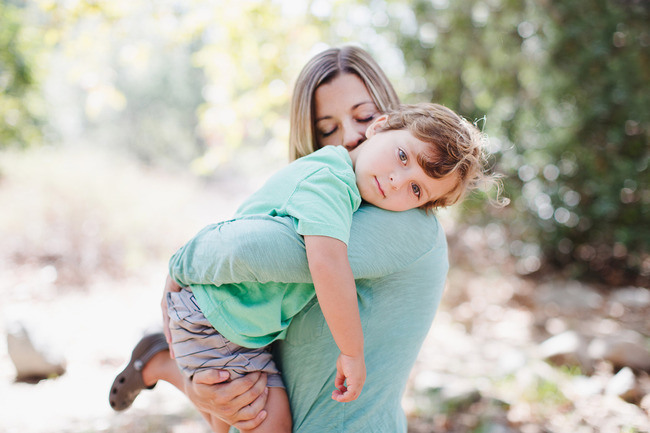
181,85
19,114
546,391
566,90
571,370
604,58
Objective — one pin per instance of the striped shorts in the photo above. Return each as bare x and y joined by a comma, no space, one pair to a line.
198,346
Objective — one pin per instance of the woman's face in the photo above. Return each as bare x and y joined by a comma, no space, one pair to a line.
344,110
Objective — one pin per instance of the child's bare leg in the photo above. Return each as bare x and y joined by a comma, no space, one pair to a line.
162,367
216,425
279,413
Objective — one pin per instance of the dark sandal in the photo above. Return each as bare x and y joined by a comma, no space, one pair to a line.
128,384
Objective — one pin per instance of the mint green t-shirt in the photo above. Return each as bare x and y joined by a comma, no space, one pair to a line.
399,260
319,191
320,194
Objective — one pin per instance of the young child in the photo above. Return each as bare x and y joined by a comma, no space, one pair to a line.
420,156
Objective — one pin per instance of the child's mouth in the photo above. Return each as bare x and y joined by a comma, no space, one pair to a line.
379,187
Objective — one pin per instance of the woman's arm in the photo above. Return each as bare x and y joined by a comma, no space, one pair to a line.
266,248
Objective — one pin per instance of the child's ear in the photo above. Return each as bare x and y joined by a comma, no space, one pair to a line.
375,125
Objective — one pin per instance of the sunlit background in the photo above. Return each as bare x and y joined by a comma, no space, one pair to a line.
127,125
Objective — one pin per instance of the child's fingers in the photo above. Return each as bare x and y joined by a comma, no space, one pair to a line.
339,395
339,381
352,392
344,396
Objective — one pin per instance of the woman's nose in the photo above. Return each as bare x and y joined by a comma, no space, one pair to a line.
352,137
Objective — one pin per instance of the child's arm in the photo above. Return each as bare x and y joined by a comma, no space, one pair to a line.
337,296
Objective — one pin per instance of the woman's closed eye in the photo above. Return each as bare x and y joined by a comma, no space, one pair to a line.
327,133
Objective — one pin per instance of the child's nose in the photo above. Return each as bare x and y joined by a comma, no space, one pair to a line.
396,181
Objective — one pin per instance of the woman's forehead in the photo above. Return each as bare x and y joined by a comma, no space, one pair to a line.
345,91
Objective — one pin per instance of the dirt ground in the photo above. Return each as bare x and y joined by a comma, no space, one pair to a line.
486,365
86,329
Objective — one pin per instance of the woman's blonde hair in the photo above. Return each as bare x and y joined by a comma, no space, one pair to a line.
321,69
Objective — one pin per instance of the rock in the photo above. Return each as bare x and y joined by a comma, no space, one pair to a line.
627,349
569,297
584,386
632,297
567,348
33,362
439,392
510,361
459,396
624,385
645,404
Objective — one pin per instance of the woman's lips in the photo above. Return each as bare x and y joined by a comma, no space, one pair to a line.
379,187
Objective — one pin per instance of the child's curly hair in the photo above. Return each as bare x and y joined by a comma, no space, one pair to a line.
457,147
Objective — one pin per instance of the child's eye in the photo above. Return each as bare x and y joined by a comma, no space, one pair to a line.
402,155
416,190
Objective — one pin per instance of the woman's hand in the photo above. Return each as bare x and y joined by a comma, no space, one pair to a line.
353,370
239,402
170,286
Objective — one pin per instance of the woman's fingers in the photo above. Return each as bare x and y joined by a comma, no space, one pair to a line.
252,423
253,398
256,410
170,286
210,377
239,401
165,319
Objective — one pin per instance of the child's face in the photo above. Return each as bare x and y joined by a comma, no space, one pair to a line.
388,173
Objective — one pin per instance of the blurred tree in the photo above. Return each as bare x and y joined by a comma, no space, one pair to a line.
184,84
566,90
561,88
603,54
19,101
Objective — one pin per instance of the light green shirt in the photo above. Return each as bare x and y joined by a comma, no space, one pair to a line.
399,260
318,190
320,194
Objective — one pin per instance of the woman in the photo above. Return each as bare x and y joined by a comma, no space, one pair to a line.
399,261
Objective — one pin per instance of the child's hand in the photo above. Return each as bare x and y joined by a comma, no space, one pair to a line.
350,369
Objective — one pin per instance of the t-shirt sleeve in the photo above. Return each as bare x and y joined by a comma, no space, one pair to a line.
323,203
267,248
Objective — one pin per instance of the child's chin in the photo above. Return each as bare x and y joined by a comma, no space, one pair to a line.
383,206
376,203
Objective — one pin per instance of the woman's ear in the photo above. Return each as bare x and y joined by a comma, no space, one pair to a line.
375,125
